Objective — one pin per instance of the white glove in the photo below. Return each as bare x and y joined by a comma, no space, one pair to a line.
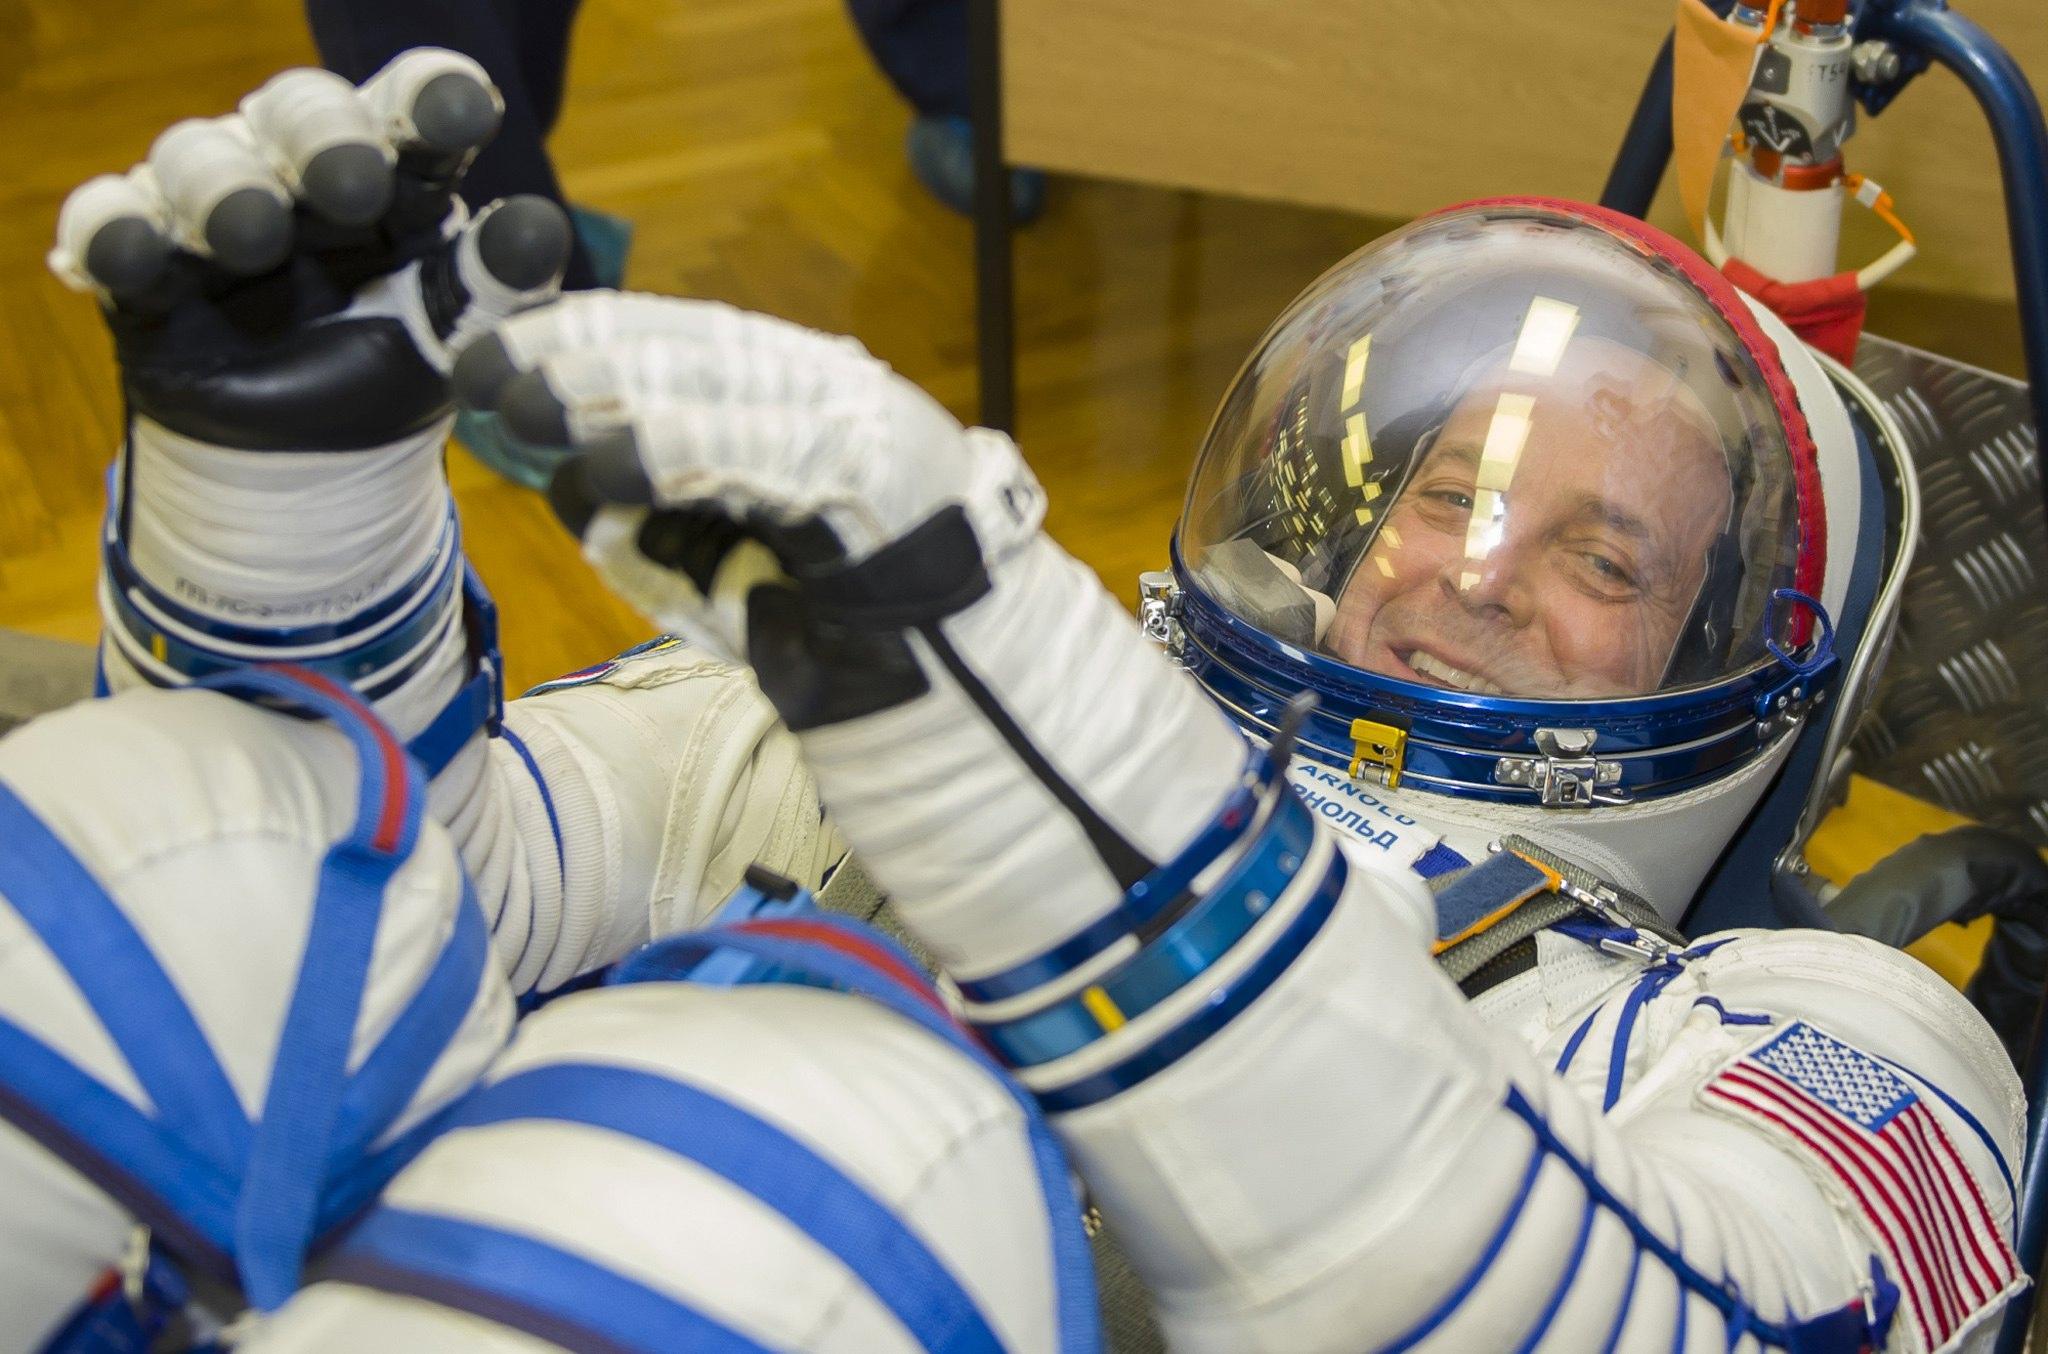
295,278
996,739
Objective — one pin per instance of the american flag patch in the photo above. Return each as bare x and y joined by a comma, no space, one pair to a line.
1871,1131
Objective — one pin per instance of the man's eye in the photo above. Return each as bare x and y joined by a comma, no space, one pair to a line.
1453,498
1609,570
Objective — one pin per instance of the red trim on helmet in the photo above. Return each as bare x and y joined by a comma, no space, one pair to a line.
1727,302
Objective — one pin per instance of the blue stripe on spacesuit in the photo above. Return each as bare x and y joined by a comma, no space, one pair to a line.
388,1079
1455,1299
1628,1298
1681,1327
1729,1017
476,704
184,1199
277,1214
1224,1005
525,1284
1080,1319
1649,983
547,801
540,783
1571,1045
1168,963
1151,897
425,613
223,1194
762,1160
1844,1330
1564,1283
119,977
1839,1330
122,578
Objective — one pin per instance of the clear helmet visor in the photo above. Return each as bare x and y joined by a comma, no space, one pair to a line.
1502,451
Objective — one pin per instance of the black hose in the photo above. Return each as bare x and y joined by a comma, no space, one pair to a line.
1961,875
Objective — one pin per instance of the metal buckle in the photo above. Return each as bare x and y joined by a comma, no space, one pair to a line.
1567,775
1382,746
1602,899
1159,613
1786,706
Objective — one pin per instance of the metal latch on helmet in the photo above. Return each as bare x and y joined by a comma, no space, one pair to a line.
1381,746
1806,679
1567,775
1159,612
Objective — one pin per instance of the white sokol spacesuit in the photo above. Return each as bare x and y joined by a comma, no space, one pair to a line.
1307,1137
285,287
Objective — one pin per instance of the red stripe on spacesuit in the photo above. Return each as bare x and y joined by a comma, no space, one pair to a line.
874,956
391,818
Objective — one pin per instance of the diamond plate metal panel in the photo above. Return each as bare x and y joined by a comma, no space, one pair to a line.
1961,715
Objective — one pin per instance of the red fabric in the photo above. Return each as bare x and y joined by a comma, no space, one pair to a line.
1721,294
854,947
1826,312
391,821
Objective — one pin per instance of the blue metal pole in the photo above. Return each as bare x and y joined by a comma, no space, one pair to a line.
2009,105
1646,148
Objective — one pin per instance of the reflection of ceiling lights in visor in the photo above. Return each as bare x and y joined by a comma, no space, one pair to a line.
1546,329
1357,445
1505,437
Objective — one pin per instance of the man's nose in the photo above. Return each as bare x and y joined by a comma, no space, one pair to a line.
1494,586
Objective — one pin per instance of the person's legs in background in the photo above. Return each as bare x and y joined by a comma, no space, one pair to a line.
922,47
524,46
540,37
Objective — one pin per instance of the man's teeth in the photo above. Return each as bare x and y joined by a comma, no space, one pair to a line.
1430,666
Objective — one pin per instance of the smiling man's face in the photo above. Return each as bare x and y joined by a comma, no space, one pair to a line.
1551,544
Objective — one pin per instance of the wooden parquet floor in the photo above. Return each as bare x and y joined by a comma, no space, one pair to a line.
759,155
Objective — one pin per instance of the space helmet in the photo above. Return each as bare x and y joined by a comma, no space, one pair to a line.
1525,494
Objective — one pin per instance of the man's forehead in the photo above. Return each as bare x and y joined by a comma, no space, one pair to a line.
1598,429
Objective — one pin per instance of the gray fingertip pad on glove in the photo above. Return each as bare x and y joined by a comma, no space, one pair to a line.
249,231
454,113
609,474
570,495
482,371
348,184
525,241
126,255
613,469
532,412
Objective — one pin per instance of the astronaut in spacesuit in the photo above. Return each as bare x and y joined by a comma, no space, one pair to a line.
1307,1136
